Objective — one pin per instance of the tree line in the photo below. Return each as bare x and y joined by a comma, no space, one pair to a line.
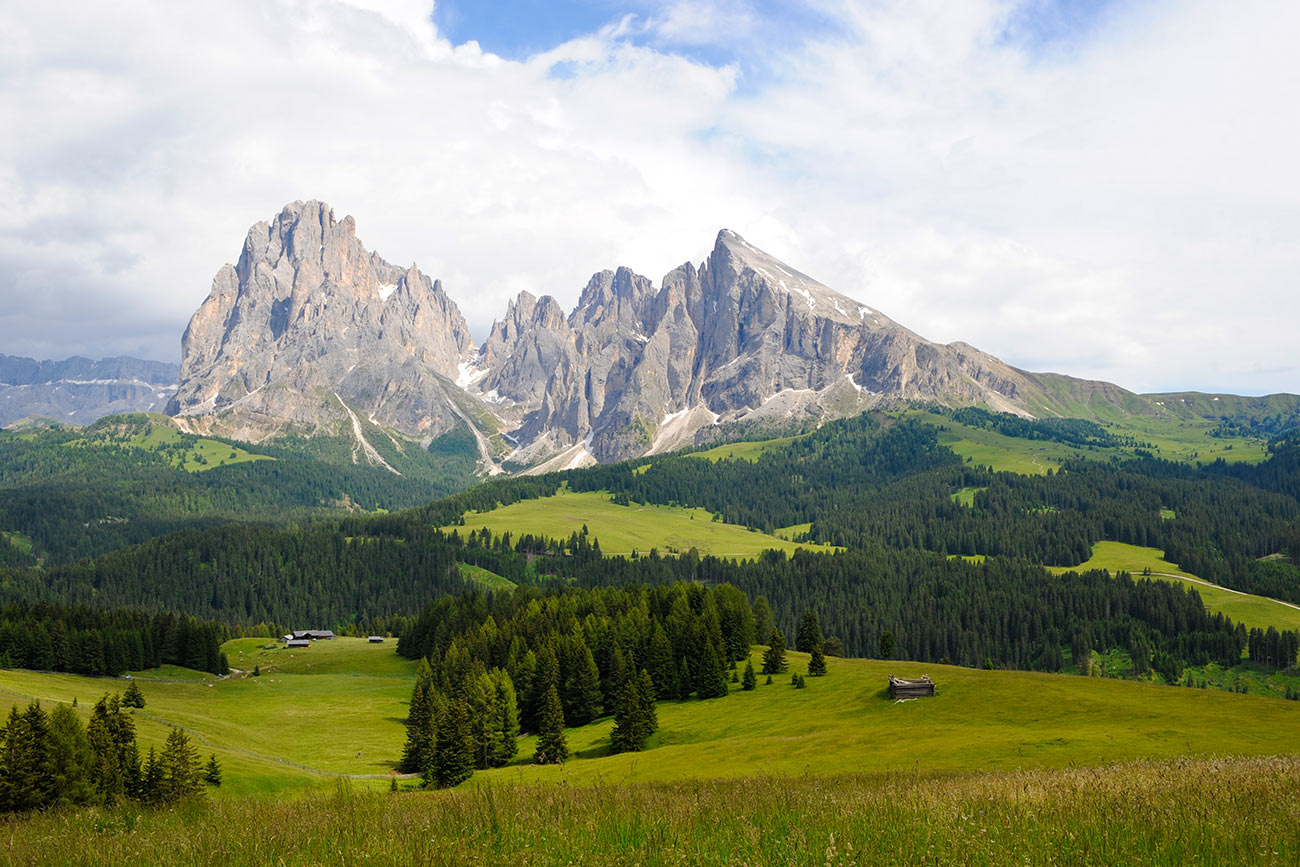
54,636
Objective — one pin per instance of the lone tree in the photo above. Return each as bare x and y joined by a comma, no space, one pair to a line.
133,697
181,774
817,665
631,724
749,681
552,748
212,772
887,645
810,633
774,656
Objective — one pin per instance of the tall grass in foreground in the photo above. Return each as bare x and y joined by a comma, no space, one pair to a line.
1178,812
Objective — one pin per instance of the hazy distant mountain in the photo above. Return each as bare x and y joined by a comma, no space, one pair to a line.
311,333
80,390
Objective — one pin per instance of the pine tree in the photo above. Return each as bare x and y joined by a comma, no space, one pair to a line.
552,747
810,632
749,681
768,682
582,688
181,773
646,693
212,772
453,747
774,656
133,697
71,758
887,645
507,720
817,664
711,681
419,721
799,682
685,683
150,779
630,728
661,663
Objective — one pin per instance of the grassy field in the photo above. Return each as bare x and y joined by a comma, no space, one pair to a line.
338,707
334,708
484,578
1168,438
1174,813
623,529
1241,607
745,451
202,454
966,496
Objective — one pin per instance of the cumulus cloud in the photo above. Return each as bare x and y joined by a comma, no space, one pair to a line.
1116,203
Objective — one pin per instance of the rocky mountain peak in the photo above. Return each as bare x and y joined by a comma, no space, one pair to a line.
309,321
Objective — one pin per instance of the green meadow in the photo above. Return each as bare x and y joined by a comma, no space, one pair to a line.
1169,813
484,578
1253,611
624,529
337,708
745,451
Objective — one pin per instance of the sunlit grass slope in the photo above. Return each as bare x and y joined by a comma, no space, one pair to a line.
747,451
336,707
978,720
624,529
1253,611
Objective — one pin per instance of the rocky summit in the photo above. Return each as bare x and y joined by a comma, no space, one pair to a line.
310,332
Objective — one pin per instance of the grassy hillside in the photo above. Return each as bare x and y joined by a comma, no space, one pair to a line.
1175,813
1253,611
747,451
624,529
338,708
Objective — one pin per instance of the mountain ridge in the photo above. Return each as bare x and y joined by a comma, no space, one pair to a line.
309,331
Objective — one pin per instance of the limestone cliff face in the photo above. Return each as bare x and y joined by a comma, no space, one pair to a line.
79,390
309,320
309,330
743,337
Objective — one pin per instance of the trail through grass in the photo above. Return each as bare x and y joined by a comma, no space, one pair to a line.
1251,610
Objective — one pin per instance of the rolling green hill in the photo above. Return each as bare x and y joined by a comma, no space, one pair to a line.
624,529
338,708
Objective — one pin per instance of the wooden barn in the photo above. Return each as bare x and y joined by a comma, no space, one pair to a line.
376,639
297,642
903,687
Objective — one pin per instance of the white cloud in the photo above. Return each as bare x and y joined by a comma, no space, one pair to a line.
1120,207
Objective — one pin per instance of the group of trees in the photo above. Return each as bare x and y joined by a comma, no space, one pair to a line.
48,758
540,660
51,636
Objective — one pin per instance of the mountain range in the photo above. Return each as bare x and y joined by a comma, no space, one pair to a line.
310,332
79,391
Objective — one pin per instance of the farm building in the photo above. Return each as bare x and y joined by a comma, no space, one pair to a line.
376,639
297,642
310,634
902,687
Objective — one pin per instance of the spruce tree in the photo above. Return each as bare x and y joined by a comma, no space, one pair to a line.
419,721
212,772
711,681
453,747
507,720
817,664
660,662
630,729
133,697
72,759
749,681
810,632
685,683
182,776
552,748
774,656
646,694
582,688
887,645
764,623
150,779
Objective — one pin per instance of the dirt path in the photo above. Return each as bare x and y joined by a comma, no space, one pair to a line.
1221,587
